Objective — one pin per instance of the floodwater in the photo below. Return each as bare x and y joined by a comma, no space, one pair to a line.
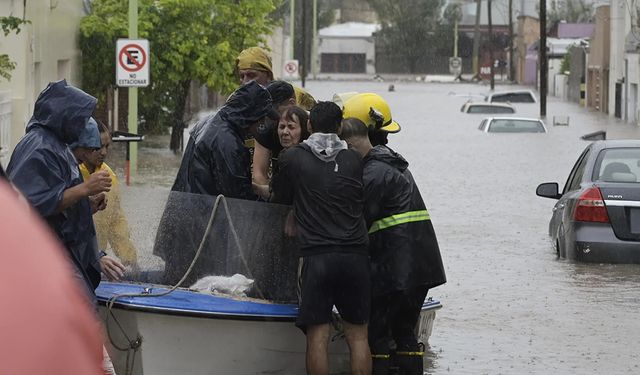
510,306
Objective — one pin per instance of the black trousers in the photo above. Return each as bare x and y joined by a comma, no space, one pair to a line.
393,320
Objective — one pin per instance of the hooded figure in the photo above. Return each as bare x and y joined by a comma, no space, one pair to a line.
42,167
216,160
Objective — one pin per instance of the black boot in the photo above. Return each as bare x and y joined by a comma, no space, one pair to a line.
409,360
380,364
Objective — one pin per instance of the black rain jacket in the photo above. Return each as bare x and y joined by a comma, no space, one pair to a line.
42,167
216,160
403,254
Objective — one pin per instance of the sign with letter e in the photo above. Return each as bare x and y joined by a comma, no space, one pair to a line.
132,63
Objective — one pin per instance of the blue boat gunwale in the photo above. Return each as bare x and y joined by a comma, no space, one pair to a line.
233,309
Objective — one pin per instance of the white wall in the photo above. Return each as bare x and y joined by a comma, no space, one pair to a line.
45,50
350,45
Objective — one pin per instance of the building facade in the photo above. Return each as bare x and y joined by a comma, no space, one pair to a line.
45,50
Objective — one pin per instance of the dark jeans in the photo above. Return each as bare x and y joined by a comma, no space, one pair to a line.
393,320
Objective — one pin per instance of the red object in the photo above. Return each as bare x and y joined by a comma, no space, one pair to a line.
47,323
127,170
591,207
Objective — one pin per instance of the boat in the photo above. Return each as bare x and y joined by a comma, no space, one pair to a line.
188,332
154,328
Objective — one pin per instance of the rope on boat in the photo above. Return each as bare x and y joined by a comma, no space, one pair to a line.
135,345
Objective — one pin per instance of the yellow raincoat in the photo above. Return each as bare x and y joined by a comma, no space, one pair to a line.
111,224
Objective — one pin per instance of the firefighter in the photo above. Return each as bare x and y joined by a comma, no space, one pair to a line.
405,258
374,111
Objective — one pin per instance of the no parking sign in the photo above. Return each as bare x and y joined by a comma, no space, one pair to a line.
290,69
132,63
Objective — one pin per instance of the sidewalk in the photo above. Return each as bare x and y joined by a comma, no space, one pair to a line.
393,77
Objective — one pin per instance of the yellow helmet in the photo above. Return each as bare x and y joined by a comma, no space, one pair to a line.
372,110
341,97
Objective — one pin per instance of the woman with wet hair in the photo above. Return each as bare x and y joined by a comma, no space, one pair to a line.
292,130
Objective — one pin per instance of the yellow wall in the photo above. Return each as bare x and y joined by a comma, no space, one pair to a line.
45,50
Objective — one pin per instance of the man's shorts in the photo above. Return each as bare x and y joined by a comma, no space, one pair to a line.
328,279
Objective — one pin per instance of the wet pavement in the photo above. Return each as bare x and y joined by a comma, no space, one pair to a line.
510,306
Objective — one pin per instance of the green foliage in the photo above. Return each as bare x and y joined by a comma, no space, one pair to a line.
190,40
571,11
9,24
412,27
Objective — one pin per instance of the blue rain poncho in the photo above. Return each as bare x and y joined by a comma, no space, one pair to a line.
42,167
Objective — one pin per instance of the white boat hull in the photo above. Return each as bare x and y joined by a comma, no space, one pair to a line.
190,333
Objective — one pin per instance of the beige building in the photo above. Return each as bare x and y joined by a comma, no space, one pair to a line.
45,50
527,33
598,62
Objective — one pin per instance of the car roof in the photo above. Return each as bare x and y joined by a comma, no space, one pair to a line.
489,104
512,92
513,118
616,143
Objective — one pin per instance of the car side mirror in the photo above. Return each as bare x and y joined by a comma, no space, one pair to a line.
548,190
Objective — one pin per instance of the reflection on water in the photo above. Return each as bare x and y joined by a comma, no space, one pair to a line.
510,306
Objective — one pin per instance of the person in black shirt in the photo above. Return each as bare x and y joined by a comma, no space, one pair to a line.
323,181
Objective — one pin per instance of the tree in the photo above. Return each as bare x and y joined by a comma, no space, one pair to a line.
410,27
571,11
9,24
194,40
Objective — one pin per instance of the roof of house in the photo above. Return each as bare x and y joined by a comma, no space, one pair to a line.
576,30
349,30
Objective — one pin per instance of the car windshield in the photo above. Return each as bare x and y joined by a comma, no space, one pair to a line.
618,165
489,109
516,126
513,97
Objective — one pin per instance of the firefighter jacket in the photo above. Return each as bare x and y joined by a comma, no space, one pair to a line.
402,242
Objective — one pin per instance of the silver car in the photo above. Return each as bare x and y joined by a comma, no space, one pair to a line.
515,96
512,125
484,107
597,216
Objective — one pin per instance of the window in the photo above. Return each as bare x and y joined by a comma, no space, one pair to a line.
343,63
575,177
513,97
489,109
617,165
63,69
516,126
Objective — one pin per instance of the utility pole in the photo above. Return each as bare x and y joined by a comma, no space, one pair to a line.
512,68
314,41
292,27
544,70
455,38
133,92
303,63
476,41
491,62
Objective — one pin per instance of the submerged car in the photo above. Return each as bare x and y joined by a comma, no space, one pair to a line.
512,125
484,107
515,96
597,216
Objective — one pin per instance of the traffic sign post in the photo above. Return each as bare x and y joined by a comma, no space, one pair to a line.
132,63
290,69
455,66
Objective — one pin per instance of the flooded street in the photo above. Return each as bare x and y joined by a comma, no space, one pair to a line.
510,306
